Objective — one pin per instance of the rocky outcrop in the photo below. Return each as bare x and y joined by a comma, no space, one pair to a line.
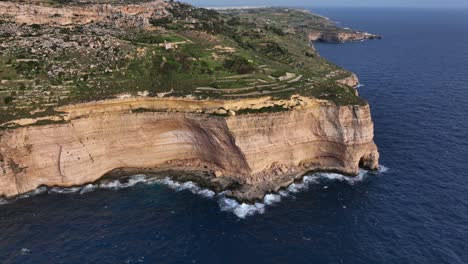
340,36
261,151
351,81
130,15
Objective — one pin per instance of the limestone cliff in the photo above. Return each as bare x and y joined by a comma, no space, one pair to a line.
90,89
129,15
261,151
340,36
351,81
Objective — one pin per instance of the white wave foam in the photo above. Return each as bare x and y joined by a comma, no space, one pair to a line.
227,204
132,181
241,210
206,193
383,169
297,187
244,210
190,186
323,176
88,188
272,199
64,190
359,86
38,191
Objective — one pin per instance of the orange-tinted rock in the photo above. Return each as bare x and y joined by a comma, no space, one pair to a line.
257,149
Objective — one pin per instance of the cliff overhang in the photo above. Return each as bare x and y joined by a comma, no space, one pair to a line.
258,153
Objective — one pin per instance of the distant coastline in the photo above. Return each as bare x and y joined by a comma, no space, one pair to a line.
234,7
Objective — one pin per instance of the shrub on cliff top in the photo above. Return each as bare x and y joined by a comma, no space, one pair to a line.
8,99
239,65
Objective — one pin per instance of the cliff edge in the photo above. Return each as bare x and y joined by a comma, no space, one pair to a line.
262,151
98,89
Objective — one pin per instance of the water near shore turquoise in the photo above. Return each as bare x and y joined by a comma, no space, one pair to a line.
416,211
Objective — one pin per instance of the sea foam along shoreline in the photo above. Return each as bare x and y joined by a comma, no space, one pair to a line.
241,210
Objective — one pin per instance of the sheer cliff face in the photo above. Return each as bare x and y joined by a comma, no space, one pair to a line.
252,148
323,138
340,36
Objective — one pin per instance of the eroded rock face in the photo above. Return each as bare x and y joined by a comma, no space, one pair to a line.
129,15
258,149
351,81
340,36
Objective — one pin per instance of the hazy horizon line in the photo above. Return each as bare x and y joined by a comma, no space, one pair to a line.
293,3
332,6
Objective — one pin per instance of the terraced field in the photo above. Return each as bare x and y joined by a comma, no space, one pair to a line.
252,86
189,52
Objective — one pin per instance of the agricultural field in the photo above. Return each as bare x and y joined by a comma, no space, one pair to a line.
184,51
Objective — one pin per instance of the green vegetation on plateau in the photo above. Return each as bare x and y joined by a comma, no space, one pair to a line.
189,52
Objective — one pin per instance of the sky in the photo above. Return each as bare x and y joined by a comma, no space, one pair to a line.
335,3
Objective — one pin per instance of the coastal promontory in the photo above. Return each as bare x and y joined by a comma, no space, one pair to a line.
100,89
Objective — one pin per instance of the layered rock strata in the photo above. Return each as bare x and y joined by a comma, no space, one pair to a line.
340,36
262,152
130,15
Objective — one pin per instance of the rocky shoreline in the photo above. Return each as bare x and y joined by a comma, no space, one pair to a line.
340,36
231,187
200,178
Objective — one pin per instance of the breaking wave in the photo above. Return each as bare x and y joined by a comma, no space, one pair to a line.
134,180
3,201
226,204
116,185
242,210
382,169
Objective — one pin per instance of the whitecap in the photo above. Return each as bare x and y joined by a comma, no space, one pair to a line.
227,204
297,187
169,183
111,185
64,190
190,186
37,191
244,210
88,188
331,176
132,181
310,179
362,175
272,199
206,193
383,169
241,210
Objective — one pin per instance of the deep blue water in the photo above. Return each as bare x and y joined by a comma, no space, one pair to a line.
416,80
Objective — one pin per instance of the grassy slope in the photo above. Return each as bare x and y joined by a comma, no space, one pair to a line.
225,51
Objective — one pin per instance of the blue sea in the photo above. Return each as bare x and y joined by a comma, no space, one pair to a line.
414,210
